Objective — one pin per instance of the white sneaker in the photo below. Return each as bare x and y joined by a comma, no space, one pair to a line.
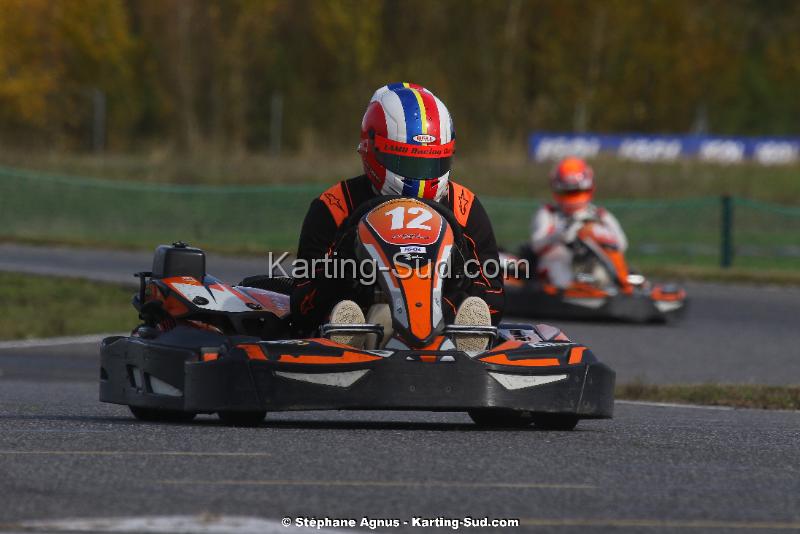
379,314
473,312
348,312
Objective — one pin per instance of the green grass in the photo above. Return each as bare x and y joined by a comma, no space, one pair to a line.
713,273
671,212
507,173
39,306
735,395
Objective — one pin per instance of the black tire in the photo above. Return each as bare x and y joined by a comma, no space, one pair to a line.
500,418
555,421
242,418
161,416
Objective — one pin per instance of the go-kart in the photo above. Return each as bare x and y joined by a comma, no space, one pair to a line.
603,287
207,347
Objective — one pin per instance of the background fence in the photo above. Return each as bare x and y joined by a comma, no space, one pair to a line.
38,207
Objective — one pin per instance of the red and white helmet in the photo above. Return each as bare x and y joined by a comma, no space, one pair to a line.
407,142
572,182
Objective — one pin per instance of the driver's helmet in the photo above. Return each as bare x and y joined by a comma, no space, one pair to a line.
572,182
407,142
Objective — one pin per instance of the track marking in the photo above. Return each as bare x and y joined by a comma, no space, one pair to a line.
133,453
677,405
56,341
211,524
700,406
52,431
203,524
661,523
379,484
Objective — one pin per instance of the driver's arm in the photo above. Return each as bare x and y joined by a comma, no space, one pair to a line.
611,222
482,247
313,297
546,231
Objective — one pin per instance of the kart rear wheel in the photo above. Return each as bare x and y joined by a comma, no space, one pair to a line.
500,418
555,421
242,418
162,416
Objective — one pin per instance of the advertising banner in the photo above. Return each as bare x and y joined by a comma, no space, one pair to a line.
721,149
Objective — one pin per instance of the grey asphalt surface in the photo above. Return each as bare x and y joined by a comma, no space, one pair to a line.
115,266
65,455
731,333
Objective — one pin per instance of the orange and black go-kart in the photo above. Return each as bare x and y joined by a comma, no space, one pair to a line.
604,287
207,347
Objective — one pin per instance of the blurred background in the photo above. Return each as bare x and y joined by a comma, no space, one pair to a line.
129,123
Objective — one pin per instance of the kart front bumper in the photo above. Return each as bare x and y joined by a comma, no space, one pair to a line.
401,381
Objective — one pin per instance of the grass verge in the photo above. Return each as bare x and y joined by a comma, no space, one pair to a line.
735,395
39,306
503,173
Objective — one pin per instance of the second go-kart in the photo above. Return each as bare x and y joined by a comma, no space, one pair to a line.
604,286
208,347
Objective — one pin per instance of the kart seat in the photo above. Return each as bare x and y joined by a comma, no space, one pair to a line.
179,259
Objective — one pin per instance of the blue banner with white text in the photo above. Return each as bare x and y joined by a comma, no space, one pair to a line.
544,146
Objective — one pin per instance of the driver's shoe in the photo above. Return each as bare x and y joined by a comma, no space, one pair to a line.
473,312
348,312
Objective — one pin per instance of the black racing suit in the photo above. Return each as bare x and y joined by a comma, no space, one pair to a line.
314,297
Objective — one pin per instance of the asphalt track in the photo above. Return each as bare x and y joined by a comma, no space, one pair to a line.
68,462
731,334
65,456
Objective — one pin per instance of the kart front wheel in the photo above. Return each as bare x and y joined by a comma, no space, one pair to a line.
242,418
555,421
161,416
500,418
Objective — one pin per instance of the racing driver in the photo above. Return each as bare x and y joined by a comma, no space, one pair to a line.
399,116
554,227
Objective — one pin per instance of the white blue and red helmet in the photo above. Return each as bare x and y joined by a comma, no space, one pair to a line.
407,142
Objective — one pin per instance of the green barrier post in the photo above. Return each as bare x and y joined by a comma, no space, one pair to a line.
726,251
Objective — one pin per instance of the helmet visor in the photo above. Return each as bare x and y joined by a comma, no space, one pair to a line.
420,162
573,200
572,183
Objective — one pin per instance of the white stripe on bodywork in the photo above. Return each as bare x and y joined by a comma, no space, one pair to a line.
160,387
586,303
397,303
665,306
437,288
218,299
524,381
341,380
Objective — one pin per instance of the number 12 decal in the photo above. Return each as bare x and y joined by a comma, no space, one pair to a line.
398,216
